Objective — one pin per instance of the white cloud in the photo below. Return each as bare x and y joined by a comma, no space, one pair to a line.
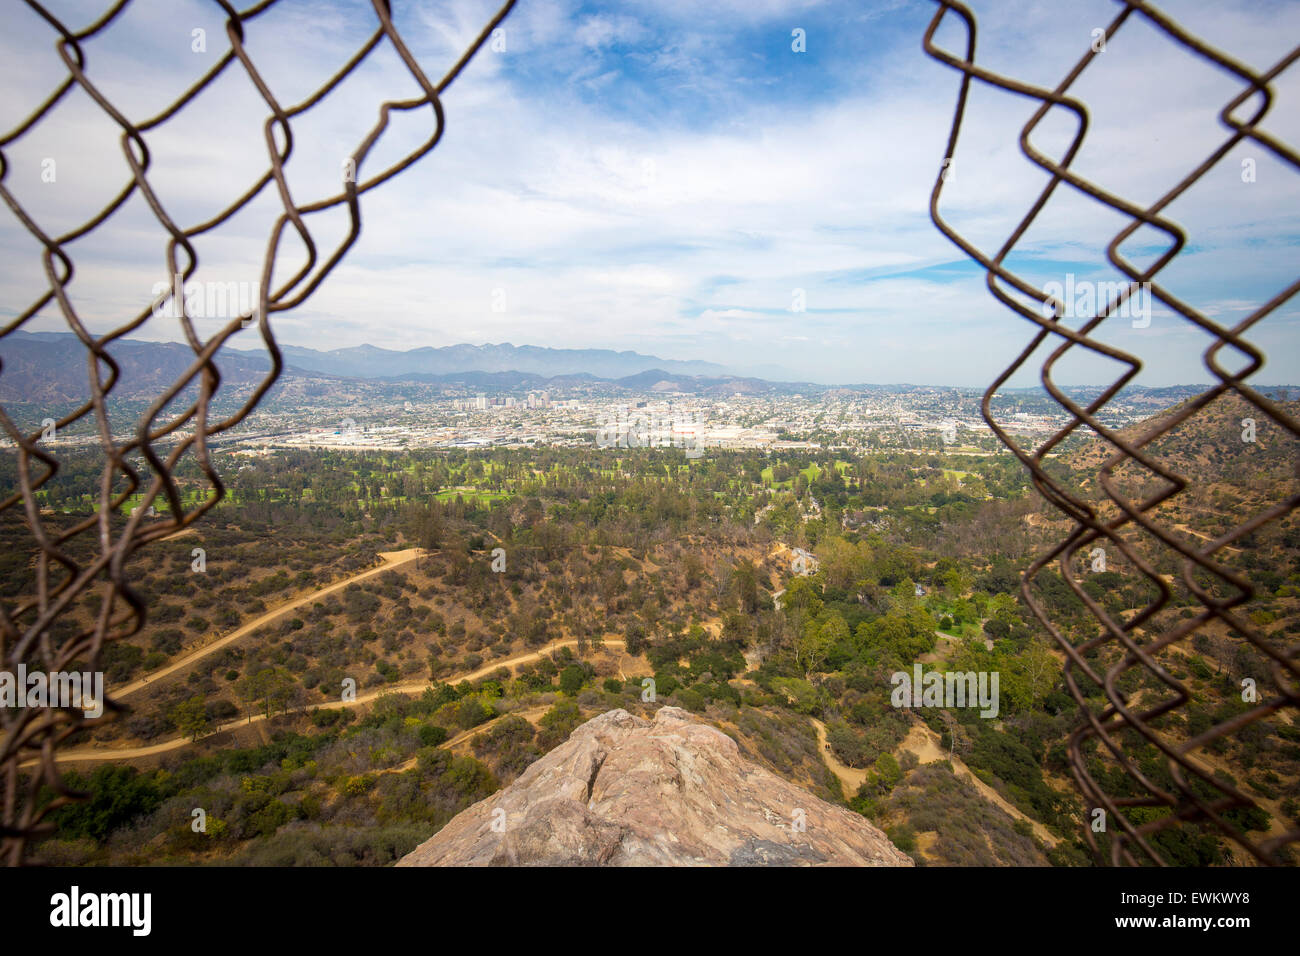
689,232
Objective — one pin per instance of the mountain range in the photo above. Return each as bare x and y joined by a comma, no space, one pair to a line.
368,361
52,367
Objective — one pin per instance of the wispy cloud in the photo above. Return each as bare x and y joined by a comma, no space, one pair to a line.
675,178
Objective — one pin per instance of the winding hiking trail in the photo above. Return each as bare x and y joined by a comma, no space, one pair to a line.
925,744
97,755
850,777
530,714
920,740
391,559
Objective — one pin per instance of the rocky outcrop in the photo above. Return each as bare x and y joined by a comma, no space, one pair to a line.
624,791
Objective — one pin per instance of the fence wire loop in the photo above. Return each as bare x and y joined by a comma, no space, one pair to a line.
30,737
1109,730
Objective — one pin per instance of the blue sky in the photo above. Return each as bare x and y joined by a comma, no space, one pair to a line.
663,176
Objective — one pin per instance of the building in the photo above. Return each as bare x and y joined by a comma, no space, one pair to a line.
803,562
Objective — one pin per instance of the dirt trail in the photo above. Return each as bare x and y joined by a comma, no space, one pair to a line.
94,755
920,739
391,559
850,777
1205,537
531,715
924,742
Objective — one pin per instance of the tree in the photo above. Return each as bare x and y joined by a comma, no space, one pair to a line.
996,629
813,647
191,718
746,587
429,530
722,581
1041,669
557,723
572,679
118,795
272,686
693,570
801,599
845,564
635,638
958,581
958,741
889,773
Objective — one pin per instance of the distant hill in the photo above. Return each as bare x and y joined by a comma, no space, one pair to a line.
1213,445
654,380
367,361
658,380
52,367
1237,462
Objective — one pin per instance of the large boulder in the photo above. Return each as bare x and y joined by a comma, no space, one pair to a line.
624,791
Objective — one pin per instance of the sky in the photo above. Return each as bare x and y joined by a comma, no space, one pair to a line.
676,178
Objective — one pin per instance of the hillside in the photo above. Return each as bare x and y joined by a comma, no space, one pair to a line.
54,368
625,567
368,361
1234,473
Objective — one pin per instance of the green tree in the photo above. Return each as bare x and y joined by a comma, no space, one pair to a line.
271,686
801,599
888,771
191,718
814,646
572,679
557,723
746,582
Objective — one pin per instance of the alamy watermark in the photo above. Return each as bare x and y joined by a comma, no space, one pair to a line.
68,689
74,908
635,428
946,689
206,300
1085,299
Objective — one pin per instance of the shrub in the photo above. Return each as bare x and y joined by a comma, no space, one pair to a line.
118,795
572,678
431,735
903,837
691,699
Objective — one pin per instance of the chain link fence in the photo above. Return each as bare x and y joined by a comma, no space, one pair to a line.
1132,800
180,420
164,437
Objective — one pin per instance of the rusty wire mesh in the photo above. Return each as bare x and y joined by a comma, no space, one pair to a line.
1197,796
32,736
